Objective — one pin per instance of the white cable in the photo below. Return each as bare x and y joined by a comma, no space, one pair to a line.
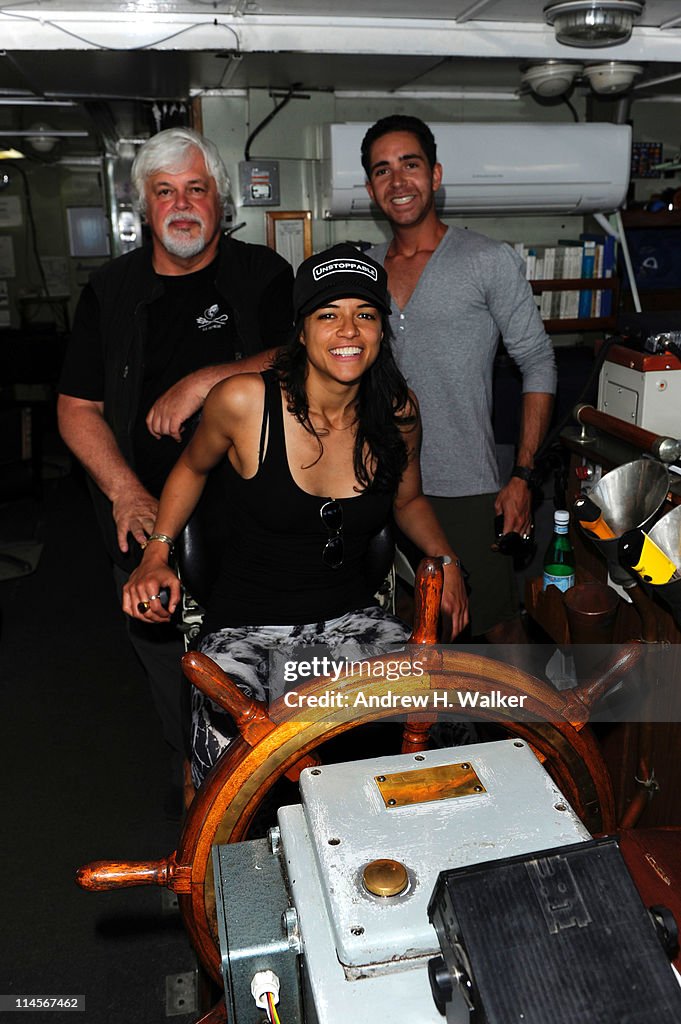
10,12
263,982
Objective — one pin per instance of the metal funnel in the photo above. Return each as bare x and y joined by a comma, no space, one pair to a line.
667,535
629,497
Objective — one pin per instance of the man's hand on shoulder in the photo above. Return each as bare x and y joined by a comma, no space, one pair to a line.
179,402
134,511
183,399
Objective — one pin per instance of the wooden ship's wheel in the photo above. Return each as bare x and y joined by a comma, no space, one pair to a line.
283,742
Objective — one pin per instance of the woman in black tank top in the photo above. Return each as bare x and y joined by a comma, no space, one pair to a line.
319,452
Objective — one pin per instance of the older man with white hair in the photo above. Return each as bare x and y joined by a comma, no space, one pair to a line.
154,330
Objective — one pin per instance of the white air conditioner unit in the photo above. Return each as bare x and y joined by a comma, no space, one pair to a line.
497,168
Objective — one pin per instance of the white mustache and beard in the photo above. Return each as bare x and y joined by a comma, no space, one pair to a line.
180,242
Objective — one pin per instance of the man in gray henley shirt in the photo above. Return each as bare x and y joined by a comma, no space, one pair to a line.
454,294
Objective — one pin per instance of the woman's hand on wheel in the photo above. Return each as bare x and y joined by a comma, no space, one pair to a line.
143,594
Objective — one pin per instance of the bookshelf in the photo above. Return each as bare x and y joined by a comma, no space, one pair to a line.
646,219
575,283
578,284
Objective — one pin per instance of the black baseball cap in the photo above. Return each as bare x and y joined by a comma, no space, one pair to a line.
337,273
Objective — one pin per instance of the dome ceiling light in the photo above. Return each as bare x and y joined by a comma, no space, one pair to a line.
590,23
612,77
552,78
42,137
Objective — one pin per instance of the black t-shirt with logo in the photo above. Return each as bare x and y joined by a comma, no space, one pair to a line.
188,327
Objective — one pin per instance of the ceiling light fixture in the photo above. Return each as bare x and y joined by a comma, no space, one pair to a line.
612,77
551,78
591,23
42,137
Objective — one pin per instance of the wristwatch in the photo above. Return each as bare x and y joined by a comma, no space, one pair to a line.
526,474
448,560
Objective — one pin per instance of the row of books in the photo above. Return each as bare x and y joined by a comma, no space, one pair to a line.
587,304
591,256
551,263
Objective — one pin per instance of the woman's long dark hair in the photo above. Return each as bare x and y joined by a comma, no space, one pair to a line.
383,405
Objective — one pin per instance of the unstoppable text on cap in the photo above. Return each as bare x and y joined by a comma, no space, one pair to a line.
344,267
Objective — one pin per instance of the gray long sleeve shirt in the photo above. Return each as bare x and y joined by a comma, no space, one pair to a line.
472,292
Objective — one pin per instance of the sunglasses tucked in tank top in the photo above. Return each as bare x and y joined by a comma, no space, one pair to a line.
276,566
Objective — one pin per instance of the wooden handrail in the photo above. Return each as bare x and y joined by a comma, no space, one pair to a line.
667,449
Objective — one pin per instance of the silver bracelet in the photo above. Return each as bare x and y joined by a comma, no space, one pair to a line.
163,538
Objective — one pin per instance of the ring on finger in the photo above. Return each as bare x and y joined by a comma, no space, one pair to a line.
143,607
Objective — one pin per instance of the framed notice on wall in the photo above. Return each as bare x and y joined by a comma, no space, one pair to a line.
88,232
289,233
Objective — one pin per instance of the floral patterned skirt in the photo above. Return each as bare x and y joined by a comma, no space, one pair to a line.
254,657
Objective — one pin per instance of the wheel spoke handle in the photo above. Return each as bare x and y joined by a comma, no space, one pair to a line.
101,875
250,716
416,734
579,703
427,597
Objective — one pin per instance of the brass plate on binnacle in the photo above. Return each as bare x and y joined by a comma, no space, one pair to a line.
423,785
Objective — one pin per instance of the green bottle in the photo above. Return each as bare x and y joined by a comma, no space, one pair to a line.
559,560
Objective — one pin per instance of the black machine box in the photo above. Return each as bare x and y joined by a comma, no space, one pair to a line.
552,937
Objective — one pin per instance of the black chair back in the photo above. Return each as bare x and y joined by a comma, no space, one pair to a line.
199,546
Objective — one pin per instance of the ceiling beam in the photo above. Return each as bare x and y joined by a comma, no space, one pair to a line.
32,30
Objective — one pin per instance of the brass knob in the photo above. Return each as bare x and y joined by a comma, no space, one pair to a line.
385,877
